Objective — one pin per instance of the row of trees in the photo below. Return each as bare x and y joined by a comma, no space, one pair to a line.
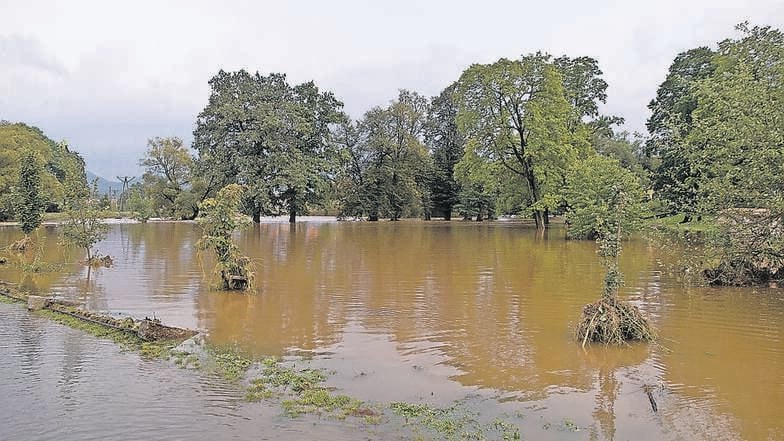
521,136
504,138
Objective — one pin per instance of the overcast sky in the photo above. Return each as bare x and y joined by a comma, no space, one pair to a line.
106,76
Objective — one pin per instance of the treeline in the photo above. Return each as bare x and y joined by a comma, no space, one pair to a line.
522,136
505,138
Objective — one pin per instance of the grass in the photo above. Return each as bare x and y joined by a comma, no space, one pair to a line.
228,362
6,299
304,392
706,225
453,423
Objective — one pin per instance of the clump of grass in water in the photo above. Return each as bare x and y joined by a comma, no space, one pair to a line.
306,391
453,423
6,299
229,363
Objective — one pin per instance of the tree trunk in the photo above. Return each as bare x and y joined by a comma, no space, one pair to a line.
547,216
292,214
479,217
448,214
256,215
539,219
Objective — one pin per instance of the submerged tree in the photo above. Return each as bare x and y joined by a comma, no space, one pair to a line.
272,137
387,169
515,113
219,219
446,144
611,320
736,144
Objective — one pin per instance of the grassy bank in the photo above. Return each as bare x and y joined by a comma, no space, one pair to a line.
706,224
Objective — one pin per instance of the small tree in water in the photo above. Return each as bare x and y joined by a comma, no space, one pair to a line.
83,226
219,218
610,320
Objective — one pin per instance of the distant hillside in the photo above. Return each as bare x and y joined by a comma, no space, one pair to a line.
18,139
105,186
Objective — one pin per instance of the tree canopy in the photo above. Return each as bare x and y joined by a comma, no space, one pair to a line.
18,140
270,136
515,113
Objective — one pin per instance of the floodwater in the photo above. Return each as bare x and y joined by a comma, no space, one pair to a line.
434,312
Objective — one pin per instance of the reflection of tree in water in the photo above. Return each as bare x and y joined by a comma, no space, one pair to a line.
604,411
294,306
608,362
72,364
88,291
31,334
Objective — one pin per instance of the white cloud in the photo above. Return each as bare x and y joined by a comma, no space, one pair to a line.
108,75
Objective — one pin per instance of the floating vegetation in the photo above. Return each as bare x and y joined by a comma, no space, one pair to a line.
453,423
99,261
228,362
21,245
304,392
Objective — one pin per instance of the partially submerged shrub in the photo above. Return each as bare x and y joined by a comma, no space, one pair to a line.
610,320
219,219
748,248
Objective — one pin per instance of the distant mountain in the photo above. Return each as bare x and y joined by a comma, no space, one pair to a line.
105,186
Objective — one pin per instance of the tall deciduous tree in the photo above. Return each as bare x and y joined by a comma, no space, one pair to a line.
671,121
271,137
446,145
737,138
515,113
171,181
387,161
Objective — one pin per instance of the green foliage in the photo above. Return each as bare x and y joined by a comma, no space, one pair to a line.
735,149
230,364
83,226
140,204
219,219
273,138
453,423
29,204
474,201
17,140
388,169
443,139
515,117
170,182
591,191
671,120
736,140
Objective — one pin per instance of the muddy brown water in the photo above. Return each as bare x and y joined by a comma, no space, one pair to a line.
439,312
